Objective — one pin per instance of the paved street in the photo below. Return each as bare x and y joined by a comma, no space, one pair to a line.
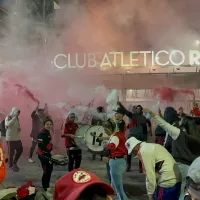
133,181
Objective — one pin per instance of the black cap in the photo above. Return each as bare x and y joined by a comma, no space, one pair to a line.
120,110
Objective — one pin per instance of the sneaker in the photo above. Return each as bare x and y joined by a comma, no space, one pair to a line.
30,160
49,192
13,169
16,167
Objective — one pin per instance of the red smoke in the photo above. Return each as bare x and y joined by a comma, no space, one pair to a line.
169,94
27,92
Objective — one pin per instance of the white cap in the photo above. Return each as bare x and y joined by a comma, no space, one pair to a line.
131,144
194,170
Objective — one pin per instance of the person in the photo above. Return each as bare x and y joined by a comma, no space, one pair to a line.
15,148
181,112
133,122
99,117
116,151
193,181
74,152
137,128
2,164
110,128
82,185
182,140
160,134
38,115
45,152
157,160
195,110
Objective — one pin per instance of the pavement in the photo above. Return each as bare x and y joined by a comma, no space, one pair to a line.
134,182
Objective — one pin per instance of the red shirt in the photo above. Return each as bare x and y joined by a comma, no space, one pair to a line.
120,150
70,128
196,111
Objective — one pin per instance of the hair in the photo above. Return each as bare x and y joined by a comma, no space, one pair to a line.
181,108
40,110
47,119
94,192
100,109
190,126
139,106
192,184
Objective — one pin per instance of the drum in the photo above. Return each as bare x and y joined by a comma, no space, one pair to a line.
60,160
92,141
80,136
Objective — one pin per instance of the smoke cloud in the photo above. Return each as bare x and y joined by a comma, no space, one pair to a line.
28,48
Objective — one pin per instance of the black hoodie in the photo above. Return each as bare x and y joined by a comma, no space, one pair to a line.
181,148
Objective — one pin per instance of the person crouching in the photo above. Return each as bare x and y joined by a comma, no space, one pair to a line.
157,162
45,148
74,152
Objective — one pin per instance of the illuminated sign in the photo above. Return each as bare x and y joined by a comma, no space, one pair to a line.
130,59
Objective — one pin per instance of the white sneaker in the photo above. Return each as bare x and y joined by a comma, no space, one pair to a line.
49,193
30,160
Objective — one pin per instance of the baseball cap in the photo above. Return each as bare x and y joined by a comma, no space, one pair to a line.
71,185
194,174
131,144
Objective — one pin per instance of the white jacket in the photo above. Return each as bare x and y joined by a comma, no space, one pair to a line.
169,174
12,125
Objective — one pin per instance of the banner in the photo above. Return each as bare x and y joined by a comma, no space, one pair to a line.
147,94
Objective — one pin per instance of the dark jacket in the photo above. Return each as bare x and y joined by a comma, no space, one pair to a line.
44,143
3,128
159,131
185,148
36,125
137,126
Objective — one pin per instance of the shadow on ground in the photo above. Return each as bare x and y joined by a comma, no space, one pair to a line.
134,183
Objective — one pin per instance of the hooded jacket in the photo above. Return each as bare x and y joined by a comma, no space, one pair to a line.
184,145
12,126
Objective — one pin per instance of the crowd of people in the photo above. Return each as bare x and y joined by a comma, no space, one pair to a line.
171,164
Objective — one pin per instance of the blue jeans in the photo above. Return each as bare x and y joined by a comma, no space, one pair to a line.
172,193
117,168
108,171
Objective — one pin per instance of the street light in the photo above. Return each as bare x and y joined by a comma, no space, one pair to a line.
197,42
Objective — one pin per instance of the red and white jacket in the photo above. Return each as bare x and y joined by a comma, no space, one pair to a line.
69,128
116,144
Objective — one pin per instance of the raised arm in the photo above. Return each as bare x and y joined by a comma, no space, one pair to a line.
173,131
128,113
46,109
10,121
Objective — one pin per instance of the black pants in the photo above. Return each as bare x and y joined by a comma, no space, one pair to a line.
47,167
33,146
15,150
129,158
75,157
